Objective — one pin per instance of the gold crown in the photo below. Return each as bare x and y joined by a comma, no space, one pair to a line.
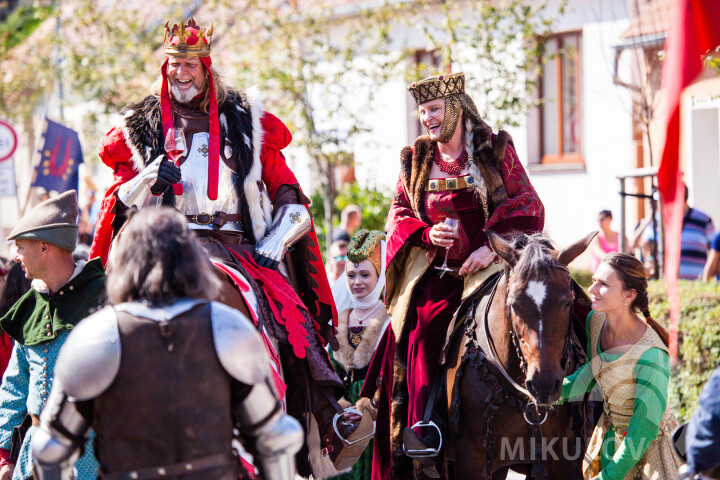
188,41
440,86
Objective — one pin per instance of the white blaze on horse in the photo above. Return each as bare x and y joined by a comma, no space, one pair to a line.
506,371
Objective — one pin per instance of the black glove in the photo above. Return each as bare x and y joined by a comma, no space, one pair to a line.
168,174
265,262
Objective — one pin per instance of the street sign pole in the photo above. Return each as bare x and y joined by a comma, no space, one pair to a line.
8,146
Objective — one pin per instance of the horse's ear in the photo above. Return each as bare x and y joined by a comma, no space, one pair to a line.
569,253
503,249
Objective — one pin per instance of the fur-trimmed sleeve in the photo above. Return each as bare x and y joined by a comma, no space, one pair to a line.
522,210
275,171
403,226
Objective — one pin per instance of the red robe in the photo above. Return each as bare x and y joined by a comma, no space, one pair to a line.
116,154
426,323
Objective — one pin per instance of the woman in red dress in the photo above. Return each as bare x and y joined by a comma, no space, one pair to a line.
459,170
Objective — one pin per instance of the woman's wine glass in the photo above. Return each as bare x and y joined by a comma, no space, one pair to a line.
452,223
175,147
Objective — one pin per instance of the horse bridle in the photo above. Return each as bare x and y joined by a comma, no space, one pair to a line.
518,350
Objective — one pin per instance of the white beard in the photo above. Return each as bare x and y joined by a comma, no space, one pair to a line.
184,96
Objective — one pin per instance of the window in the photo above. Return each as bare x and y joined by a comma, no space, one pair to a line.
560,89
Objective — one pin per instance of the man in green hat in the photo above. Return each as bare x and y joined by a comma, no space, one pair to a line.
62,294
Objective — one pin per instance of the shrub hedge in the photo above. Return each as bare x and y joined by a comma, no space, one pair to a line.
699,336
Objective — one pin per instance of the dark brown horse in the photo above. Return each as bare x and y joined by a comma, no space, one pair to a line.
505,374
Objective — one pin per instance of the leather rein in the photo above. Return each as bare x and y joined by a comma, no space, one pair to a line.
492,350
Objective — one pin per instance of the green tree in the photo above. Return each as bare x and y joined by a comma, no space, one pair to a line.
375,205
319,63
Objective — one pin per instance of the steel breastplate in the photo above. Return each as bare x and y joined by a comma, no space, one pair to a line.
194,199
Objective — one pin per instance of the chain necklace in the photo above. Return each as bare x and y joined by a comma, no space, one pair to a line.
453,167
361,320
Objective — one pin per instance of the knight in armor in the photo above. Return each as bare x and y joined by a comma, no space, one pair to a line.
239,196
62,293
463,171
163,376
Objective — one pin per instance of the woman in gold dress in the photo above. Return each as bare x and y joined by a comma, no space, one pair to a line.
629,362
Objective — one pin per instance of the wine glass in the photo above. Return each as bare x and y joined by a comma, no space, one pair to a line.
175,147
452,223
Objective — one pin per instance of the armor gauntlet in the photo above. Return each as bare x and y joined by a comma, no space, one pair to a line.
135,192
290,224
57,443
278,436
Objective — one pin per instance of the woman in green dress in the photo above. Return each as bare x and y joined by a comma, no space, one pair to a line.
359,295
629,362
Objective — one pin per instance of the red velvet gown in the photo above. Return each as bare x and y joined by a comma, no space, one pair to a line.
438,298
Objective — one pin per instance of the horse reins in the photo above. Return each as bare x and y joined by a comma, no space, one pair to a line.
516,344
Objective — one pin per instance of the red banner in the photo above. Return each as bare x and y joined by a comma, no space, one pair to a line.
693,31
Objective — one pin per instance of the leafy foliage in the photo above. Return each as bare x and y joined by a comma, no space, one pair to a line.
699,336
375,205
20,24
505,39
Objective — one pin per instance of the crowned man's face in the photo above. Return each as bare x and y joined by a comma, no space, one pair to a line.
186,77
432,114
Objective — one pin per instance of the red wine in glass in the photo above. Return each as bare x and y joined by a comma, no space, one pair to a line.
175,155
175,148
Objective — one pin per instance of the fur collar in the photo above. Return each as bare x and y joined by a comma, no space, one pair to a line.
489,155
360,357
240,123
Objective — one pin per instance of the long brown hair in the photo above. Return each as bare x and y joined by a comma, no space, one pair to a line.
157,259
632,275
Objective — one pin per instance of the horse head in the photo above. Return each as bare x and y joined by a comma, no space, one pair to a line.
539,301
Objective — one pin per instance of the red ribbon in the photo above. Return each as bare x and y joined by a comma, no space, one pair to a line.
214,127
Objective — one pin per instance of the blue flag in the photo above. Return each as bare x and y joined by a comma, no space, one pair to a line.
60,157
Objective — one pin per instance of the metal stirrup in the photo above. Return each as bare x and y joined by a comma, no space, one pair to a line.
425,452
347,442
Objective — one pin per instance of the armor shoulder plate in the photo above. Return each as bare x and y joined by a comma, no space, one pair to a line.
90,358
238,345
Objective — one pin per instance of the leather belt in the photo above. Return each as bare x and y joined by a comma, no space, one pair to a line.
449,184
216,219
175,469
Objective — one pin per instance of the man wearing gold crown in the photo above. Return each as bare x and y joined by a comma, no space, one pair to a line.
237,192
463,171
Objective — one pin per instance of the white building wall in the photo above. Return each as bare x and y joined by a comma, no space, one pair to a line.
573,198
702,143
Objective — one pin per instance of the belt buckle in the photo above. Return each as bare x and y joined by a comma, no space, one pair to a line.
195,219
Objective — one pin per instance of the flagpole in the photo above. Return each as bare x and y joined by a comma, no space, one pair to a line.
58,68
35,161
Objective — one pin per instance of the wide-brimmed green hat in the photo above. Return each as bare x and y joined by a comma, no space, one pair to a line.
53,221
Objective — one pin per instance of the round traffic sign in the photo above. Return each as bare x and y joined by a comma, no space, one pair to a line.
8,141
